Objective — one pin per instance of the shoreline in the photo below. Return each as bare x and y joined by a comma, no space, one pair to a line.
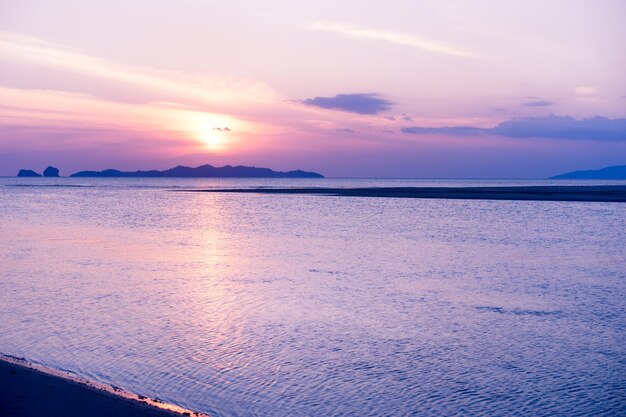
583,193
28,389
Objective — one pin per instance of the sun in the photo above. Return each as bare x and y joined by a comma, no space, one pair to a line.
214,139
214,131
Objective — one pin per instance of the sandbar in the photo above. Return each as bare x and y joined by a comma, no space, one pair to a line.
591,193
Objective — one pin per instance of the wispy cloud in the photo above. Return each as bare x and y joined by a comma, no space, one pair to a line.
201,88
405,39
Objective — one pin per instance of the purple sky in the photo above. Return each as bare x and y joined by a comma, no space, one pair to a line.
436,88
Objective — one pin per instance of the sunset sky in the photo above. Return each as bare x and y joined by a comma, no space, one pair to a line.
436,88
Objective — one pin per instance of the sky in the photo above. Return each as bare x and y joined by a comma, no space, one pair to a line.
391,89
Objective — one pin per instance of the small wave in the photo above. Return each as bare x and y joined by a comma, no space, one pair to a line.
519,311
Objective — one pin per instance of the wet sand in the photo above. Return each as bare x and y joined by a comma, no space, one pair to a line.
29,392
604,193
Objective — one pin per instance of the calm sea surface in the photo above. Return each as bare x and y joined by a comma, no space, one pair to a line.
290,305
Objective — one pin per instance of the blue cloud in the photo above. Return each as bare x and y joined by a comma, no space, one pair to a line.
370,103
553,127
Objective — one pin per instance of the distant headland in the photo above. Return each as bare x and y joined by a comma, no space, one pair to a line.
203,171
617,172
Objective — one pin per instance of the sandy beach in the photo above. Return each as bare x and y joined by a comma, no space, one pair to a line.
29,392
605,193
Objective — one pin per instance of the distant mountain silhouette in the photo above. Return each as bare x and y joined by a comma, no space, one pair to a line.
617,172
203,171
28,173
51,172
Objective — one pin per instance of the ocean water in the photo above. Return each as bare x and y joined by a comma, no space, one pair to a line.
294,305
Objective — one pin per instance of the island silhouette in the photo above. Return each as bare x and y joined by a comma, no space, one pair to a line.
617,172
28,173
203,171
51,172
48,172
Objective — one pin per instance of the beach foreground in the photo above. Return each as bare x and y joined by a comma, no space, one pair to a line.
604,193
28,392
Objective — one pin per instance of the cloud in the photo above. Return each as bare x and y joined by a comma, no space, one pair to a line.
539,103
552,127
405,39
345,130
354,103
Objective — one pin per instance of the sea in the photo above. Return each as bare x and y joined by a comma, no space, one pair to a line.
310,305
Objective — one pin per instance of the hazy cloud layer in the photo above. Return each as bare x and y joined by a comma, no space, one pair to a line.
354,103
539,103
447,130
552,127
